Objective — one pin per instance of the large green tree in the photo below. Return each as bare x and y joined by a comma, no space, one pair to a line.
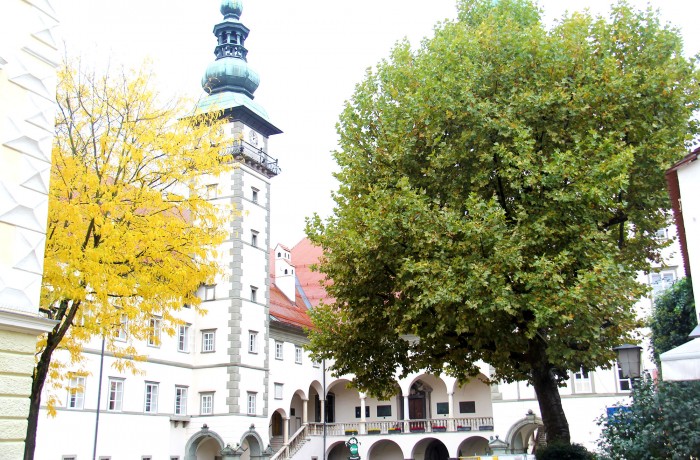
672,318
499,188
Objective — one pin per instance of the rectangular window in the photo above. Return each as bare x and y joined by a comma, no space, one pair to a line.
315,364
121,330
116,394
661,281
661,234
212,191
278,390
183,338
254,194
180,400
442,408
384,410
208,340
279,350
154,332
625,384
76,392
150,403
252,397
210,292
206,403
582,381
297,354
254,238
467,407
253,294
252,342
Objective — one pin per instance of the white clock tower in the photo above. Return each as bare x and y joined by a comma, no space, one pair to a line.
238,305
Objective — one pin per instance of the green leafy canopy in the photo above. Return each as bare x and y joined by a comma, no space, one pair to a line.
499,188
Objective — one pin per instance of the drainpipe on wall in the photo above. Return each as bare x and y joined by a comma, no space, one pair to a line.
99,396
324,412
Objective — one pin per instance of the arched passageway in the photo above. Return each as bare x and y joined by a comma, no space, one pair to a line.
430,449
385,450
338,451
204,445
473,446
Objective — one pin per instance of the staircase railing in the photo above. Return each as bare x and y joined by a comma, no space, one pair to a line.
292,445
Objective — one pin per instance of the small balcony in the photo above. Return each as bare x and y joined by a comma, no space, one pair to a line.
253,157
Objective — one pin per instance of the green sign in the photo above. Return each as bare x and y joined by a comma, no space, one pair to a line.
354,446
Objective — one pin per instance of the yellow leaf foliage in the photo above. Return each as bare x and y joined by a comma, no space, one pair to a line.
127,232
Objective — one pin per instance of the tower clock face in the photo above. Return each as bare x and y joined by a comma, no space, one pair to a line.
253,137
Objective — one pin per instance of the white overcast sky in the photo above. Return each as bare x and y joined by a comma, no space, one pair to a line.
309,54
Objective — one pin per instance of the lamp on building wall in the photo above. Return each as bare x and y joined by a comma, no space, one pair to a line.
630,359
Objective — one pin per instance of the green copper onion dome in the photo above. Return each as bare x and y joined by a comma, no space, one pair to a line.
230,70
231,9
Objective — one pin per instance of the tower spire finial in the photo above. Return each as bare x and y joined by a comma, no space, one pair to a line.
231,9
230,70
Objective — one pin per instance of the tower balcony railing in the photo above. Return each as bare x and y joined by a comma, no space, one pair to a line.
253,156
387,427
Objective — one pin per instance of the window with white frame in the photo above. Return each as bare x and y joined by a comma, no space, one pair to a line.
253,294
660,281
150,402
116,394
252,342
154,332
582,381
210,292
254,238
76,392
252,402
315,364
183,338
206,403
661,234
625,384
180,400
212,191
298,353
121,330
279,390
254,194
279,349
208,341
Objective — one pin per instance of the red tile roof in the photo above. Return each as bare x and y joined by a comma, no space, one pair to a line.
305,254
287,312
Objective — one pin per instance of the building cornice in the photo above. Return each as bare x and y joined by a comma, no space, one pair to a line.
25,323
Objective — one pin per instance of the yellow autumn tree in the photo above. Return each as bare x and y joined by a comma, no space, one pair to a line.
128,236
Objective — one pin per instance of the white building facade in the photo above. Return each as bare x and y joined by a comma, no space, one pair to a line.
28,61
237,381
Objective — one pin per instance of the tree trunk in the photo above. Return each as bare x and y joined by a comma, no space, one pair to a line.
65,315
38,379
553,416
